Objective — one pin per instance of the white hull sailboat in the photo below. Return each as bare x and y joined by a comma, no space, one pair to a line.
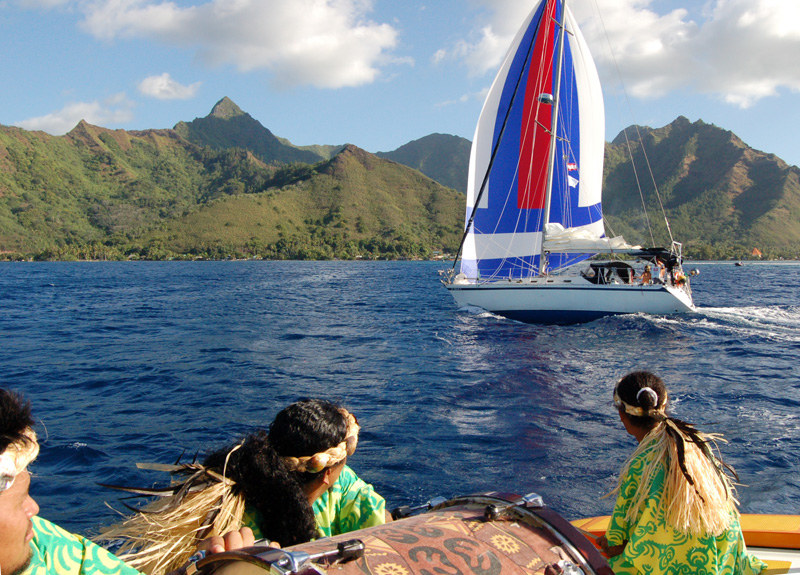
562,299
534,221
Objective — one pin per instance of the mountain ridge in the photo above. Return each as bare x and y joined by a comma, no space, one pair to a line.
97,192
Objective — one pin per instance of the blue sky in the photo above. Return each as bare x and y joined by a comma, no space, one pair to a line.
380,73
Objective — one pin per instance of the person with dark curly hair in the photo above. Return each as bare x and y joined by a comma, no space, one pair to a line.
314,438
288,485
675,511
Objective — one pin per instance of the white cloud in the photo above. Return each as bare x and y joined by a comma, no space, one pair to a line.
737,50
163,87
485,48
323,43
751,49
114,110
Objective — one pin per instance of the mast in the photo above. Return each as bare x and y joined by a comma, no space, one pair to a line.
553,137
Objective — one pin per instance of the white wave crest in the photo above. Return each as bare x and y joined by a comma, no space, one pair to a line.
777,322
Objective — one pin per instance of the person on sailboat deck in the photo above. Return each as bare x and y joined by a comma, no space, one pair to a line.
662,271
315,437
675,510
647,276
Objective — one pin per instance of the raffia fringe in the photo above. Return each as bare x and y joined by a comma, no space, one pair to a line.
708,509
164,536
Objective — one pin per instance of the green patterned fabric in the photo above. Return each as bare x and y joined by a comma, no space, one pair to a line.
655,548
252,519
58,552
349,504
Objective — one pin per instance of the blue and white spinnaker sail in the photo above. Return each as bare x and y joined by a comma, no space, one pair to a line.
508,168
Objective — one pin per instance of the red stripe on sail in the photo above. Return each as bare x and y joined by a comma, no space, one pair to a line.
534,139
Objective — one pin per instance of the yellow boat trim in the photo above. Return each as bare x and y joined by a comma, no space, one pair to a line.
775,531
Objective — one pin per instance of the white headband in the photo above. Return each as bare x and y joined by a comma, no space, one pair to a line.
16,458
654,412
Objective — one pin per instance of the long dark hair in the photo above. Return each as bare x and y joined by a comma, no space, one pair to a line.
266,484
307,427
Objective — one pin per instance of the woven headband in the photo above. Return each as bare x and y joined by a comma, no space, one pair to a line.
330,457
640,411
16,458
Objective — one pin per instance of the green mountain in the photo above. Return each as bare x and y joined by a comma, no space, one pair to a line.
442,157
97,193
225,186
721,196
227,126
354,205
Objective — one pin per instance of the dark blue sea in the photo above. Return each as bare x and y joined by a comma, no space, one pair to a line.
130,362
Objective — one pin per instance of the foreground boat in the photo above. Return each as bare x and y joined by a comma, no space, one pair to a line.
484,534
534,213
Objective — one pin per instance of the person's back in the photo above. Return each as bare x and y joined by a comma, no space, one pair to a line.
675,511
241,485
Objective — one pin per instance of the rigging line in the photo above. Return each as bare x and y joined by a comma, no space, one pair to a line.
655,187
639,185
638,134
494,151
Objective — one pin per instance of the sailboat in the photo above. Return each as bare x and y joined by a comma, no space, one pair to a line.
534,222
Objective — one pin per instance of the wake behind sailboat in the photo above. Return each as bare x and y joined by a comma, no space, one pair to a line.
534,214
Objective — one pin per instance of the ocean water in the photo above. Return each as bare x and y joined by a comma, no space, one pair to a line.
130,362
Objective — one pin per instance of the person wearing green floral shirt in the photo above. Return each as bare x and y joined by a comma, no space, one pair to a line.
314,438
349,504
675,512
59,552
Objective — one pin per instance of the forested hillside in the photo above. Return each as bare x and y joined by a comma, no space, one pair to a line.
225,186
96,193
722,198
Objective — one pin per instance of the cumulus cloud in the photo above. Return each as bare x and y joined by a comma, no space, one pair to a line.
737,50
163,87
485,47
323,43
117,109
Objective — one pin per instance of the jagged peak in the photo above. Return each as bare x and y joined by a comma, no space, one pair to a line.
352,149
81,126
226,109
360,155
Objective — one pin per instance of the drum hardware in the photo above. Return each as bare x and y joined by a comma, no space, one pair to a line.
409,510
280,561
569,568
529,501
